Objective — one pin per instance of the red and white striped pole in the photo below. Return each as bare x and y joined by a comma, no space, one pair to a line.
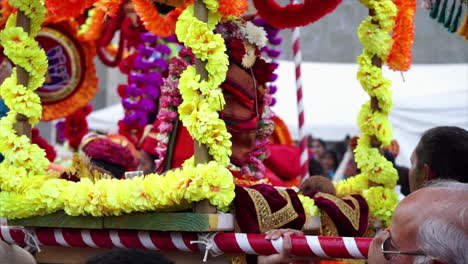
216,243
296,40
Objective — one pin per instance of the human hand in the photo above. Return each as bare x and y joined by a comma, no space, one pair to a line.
285,256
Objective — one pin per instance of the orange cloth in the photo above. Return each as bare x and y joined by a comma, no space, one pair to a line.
281,134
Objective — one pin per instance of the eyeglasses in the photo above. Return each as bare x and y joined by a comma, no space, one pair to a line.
388,254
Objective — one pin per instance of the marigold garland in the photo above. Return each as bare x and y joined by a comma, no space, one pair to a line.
373,120
163,26
22,159
68,9
233,8
176,190
203,99
94,24
403,36
26,191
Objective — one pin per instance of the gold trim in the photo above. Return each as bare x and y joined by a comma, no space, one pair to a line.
265,218
353,215
75,63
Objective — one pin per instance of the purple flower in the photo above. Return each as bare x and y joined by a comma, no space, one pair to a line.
160,63
129,104
273,89
130,119
153,78
60,127
172,39
271,32
260,22
136,77
146,105
273,77
133,90
275,64
163,49
274,53
273,101
275,41
142,118
145,51
229,31
142,64
149,38
151,91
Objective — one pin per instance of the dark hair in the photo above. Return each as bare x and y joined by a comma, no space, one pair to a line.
315,168
403,172
389,156
116,170
320,141
445,150
128,256
333,156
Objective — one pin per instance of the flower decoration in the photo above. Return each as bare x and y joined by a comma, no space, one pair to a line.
144,82
255,35
169,101
399,58
76,126
373,117
163,26
22,159
69,9
202,99
94,24
240,51
233,8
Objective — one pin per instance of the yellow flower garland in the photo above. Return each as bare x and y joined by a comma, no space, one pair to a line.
309,206
26,191
373,34
23,160
203,99
174,191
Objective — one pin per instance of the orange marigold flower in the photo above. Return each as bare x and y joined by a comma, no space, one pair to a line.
400,56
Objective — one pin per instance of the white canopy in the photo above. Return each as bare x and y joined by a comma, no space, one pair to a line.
424,97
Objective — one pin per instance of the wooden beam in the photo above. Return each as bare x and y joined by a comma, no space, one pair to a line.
201,151
22,127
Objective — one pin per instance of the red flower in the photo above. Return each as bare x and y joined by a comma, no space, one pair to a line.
236,50
76,126
263,71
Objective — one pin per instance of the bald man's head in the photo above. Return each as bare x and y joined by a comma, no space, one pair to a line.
445,203
432,221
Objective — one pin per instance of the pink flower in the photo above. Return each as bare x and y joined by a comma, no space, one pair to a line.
165,127
177,66
165,101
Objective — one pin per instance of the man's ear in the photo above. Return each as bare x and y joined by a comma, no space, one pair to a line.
428,173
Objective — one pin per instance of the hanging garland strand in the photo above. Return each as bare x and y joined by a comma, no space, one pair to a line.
378,175
400,56
203,99
21,157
